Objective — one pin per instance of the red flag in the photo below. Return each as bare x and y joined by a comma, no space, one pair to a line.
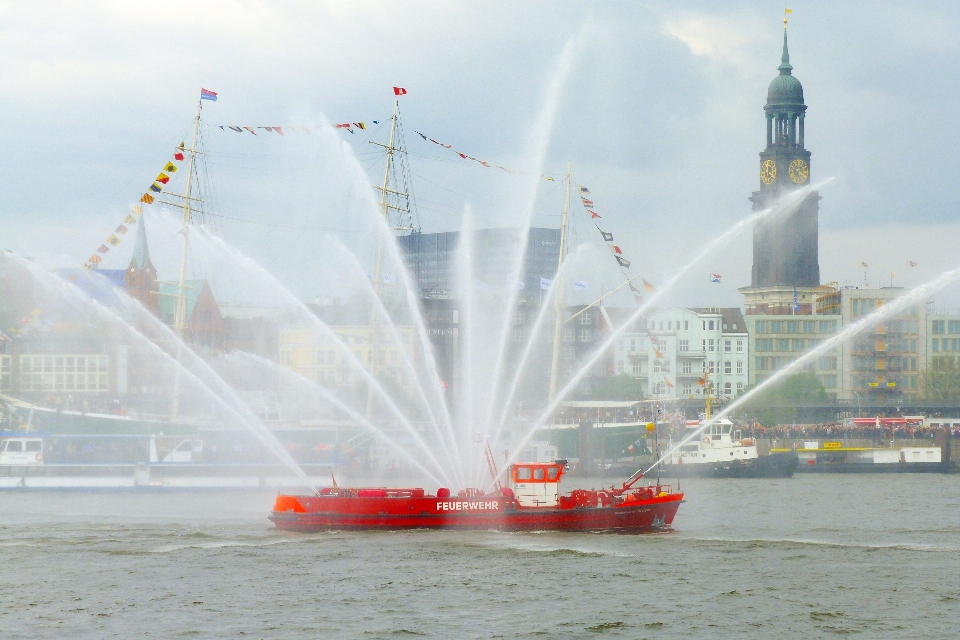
593,214
399,91
462,155
103,248
179,156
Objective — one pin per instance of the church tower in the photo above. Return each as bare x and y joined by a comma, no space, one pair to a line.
140,279
786,266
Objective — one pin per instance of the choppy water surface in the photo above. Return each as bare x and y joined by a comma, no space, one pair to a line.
809,557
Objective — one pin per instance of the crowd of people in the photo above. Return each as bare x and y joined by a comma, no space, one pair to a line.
844,432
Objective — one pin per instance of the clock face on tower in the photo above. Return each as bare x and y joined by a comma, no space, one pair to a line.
799,171
768,171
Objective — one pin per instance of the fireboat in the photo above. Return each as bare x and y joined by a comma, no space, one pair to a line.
531,502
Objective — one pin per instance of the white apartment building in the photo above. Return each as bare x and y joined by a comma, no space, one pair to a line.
671,351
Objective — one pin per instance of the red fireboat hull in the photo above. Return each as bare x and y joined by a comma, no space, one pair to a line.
319,513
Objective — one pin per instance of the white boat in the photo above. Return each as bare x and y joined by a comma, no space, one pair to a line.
721,452
21,451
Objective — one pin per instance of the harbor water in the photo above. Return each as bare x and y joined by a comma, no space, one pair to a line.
807,557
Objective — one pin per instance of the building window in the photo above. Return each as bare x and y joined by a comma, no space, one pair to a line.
712,324
569,334
728,367
686,325
62,373
619,367
518,334
520,317
656,366
586,318
710,344
938,326
687,388
739,346
727,388
5,373
637,366
569,353
739,388
783,345
585,334
683,345
703,344
686,366
659,389
739,367
727,346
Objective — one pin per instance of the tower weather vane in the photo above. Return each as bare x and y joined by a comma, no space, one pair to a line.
785,12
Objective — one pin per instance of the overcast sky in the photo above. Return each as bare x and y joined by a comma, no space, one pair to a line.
661,117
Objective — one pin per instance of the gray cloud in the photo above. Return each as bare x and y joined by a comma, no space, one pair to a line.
662,116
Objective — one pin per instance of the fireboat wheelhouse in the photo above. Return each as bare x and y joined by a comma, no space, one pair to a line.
531,502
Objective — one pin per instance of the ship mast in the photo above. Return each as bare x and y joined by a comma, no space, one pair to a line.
385,205
385,208
558,299
180,316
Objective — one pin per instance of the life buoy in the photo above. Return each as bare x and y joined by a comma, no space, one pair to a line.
39,457
705,439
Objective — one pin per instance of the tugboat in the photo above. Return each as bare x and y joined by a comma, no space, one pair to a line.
721,452
532,502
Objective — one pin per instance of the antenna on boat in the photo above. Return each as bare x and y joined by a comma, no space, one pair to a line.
558,299
492,466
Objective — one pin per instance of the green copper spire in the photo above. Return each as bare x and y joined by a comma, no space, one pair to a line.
141,252
785,67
